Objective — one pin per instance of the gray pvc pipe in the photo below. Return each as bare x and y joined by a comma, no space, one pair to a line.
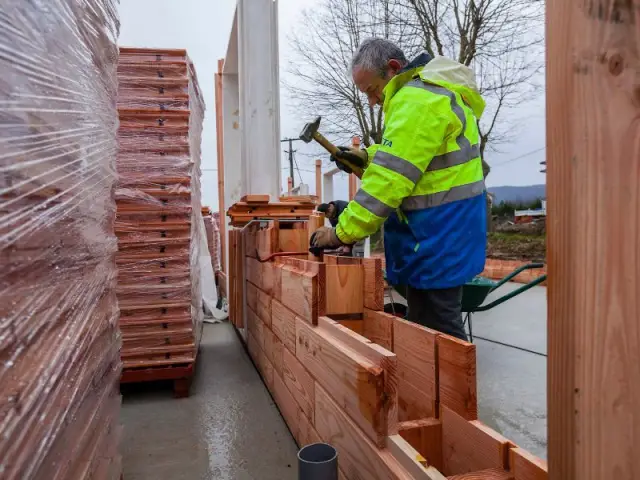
318,461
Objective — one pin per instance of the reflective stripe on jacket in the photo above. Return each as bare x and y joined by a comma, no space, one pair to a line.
426,178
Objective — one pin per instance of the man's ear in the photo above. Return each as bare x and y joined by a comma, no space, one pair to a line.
394,65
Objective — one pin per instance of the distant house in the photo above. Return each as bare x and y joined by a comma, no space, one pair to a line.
529,215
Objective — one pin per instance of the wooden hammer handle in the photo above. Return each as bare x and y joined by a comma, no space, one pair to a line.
328,146
332,149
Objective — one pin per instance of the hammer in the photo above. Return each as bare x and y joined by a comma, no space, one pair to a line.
310,132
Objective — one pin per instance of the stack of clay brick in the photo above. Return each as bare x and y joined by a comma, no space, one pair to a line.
158,199
59,340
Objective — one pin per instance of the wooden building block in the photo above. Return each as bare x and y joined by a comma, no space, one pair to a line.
267,342
426,437
255,326
358,343
252,347
266,241
457,376
277,348
359,457
283,324
489,474
341,260
253,269
239,279
287,405
255,198
469,446
252,296
299,383
270,278
377,355
526,466
301,265
304,199
344,289
232,277
373,283
302,291
378,327
593,108
263,275
292,240
415,347
412,461
267,371
307,433
353,380
353,325
263,307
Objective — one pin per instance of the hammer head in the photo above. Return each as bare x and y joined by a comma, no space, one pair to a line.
309,130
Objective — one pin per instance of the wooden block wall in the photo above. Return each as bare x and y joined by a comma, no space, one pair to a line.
396,399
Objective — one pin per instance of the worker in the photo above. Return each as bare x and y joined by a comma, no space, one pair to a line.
333,210
424,180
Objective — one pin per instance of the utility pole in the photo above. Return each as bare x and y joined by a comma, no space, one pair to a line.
291,151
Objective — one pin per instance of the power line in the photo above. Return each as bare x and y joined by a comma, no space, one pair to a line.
291,151
297,167
518,158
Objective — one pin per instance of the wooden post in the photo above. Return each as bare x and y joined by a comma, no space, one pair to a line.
220,154
319,180
316,220
593,148
353,185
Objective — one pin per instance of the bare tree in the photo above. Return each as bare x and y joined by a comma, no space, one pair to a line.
500,39
324,43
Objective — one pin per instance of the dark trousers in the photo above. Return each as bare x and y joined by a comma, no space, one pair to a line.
437,309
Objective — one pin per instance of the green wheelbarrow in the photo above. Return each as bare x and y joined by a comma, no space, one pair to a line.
474,293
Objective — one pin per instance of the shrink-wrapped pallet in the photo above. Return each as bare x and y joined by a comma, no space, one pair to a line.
59,341
158,208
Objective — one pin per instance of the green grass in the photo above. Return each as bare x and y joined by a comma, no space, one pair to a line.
515,237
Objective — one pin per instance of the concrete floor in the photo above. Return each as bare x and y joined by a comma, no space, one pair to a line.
512,384
228,429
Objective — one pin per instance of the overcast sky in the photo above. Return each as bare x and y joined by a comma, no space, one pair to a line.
202,28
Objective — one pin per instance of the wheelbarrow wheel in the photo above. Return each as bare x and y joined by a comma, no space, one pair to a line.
396,309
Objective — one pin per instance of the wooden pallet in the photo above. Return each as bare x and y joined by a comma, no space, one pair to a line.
181,375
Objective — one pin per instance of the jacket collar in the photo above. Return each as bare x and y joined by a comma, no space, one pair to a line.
405,75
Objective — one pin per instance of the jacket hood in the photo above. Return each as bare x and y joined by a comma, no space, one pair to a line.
440,71
456,77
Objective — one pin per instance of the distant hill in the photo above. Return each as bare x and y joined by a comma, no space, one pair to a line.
524,194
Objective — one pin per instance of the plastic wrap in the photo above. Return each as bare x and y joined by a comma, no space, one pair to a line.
158,199
59,341
212,227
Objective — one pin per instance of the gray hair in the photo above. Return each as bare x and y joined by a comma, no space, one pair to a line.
375,53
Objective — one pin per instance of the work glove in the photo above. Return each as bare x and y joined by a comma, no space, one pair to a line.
325,238
357,159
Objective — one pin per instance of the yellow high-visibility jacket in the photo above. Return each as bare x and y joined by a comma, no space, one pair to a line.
425,179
